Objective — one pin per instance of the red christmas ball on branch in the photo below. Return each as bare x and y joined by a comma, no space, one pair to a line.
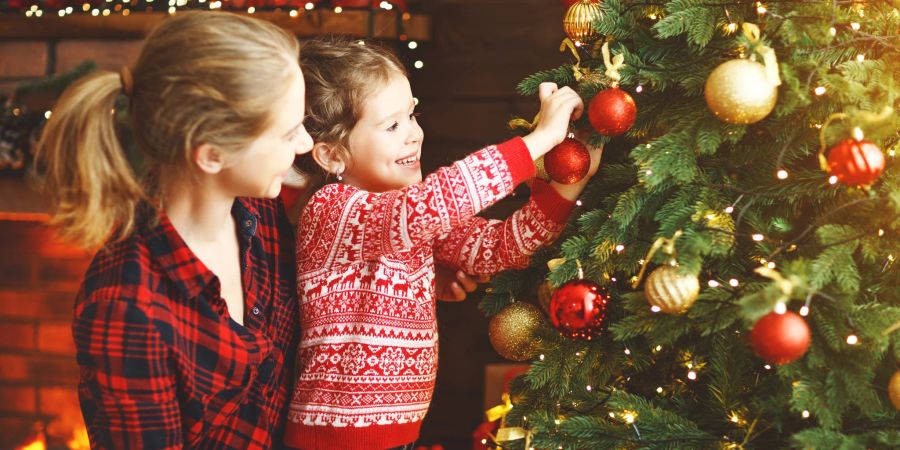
578,309
568,162
780,338
612,111
855,162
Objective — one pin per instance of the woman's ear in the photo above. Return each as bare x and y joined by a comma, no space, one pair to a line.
325,155
209,158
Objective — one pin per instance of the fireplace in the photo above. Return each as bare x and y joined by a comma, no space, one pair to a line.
39,276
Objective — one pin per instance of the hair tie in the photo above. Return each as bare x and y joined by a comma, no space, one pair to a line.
127,80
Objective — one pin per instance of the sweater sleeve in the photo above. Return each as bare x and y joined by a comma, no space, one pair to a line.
343,224
483,246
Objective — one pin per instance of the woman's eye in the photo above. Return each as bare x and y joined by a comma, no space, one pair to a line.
393,127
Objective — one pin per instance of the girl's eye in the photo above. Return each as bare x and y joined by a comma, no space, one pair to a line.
393,127
414,115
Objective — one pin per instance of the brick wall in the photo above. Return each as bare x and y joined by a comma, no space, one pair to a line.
38,374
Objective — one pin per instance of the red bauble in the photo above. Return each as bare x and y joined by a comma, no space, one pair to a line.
578,309
612,111
780,338
568,162
855,163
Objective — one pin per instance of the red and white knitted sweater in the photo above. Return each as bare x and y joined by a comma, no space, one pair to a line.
368,353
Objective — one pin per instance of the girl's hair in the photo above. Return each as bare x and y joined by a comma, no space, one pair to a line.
201,77
341,73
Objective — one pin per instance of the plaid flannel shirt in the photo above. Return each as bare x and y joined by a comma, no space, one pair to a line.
162,364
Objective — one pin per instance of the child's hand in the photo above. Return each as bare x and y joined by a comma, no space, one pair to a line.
449,289
558,108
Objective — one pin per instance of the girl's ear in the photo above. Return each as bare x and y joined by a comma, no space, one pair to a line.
325,155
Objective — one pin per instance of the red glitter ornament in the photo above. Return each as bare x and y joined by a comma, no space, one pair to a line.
578,309
612,111
855,162
568,162
780,338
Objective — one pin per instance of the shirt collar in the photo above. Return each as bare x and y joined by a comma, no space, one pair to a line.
179,263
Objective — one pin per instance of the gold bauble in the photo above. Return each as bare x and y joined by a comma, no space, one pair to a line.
545,294
579,21
511,331
671,290
738,91
894,390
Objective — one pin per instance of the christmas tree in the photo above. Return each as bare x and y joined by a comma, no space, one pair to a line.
737,249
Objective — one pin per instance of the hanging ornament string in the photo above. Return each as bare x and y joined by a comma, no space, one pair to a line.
577,71
784,285
668,247
519,122
612,64
823,161
751,32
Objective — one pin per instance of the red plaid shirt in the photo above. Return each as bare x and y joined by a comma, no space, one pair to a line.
162,363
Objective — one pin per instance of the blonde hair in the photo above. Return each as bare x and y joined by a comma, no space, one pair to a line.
201,77
340,73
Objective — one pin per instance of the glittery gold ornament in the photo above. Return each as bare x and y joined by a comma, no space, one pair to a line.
894,390
511,331
671,290
740,92
579,21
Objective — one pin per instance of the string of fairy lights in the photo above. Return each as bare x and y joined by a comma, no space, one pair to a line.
107,8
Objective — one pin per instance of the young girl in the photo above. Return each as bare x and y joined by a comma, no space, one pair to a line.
186,317
368,244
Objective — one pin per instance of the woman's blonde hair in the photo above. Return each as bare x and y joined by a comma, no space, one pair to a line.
340,73
201,78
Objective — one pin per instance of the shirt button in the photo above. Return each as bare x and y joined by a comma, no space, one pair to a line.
255,311
248,223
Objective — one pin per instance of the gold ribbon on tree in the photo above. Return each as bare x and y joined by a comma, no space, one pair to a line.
751,31
668,246
505,433
612,64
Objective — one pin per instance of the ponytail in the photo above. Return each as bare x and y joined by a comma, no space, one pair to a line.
92,188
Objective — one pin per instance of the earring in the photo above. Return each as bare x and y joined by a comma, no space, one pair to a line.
339,175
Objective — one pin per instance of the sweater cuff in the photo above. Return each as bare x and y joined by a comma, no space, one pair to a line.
518,159
553,205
